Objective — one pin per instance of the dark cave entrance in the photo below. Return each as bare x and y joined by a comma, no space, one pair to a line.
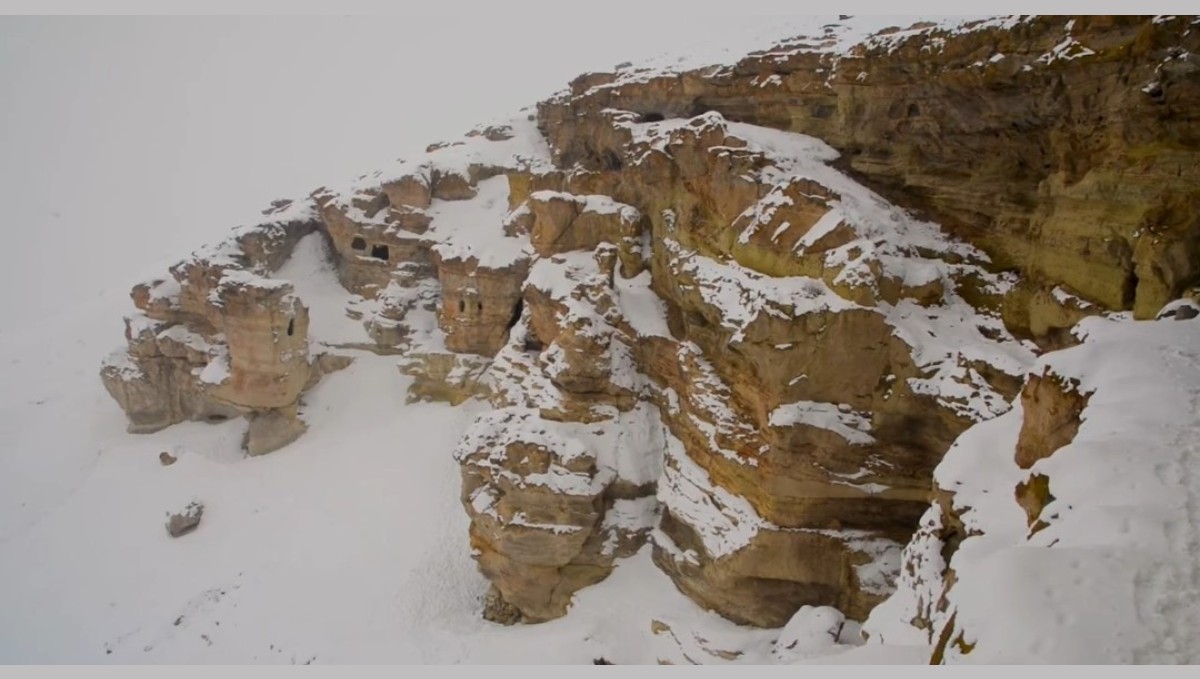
532,343
291,330
380,252
1129,293
358,243
516,314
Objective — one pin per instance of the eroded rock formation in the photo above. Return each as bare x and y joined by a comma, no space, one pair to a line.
702,329
219,339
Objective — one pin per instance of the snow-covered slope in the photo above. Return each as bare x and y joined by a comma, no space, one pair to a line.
350,546
1109,572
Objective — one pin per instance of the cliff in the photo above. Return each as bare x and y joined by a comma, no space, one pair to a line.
741,313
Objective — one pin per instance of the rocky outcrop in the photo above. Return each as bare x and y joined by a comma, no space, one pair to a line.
774,327
1081,489
1052,407
699,328
222,337
559,478
219,340
1065,147
479,304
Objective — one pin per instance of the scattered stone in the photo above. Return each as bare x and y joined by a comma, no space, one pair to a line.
497,610
272,430
1186,313
166,459
1183,309
185,521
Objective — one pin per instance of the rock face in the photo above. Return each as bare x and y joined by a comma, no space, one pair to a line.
479,304
739,377
1063,147
1091,464
218,339
222,337
701,329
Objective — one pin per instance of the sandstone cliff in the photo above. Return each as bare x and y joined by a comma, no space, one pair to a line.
737,313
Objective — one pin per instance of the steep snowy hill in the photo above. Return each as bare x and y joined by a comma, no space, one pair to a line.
781,357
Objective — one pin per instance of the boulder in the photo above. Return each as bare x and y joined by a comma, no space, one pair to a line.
186,521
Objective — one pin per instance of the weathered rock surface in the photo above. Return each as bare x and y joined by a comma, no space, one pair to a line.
219,339
1065,147
1091,464
184,522
698,327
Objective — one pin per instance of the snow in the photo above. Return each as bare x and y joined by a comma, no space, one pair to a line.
241,278
348,546
744,294
633,515
526,149
312,275
597,204
839,419
812,631
474,229
1066,50
1065,298
189,339
724,522
217,369
167,290
645,311
1123,521
792,35
950,342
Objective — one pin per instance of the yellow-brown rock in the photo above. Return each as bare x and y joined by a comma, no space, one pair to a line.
478,304
1053,406
218,340
1058,168
563,222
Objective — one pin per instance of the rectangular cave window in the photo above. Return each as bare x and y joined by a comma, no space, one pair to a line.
462,305
291,327
358,243
379,252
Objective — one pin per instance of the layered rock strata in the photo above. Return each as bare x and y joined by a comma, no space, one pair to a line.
702,329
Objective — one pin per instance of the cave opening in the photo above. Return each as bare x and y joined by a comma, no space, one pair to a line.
516,314
462,306
358,243
291,329
652,117
1130,291
532,344
379,252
